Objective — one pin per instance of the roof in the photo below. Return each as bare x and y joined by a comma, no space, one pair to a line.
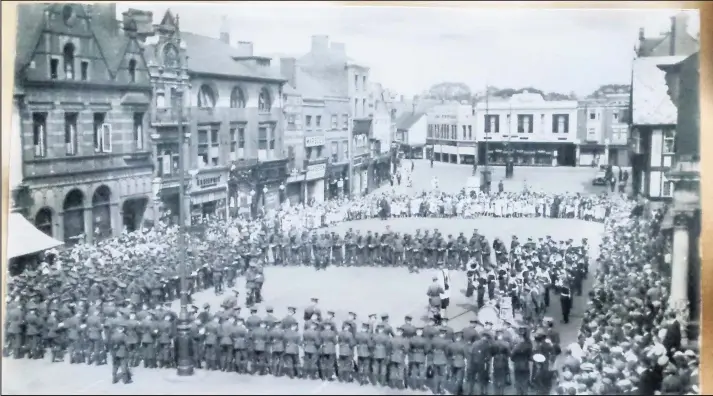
647,45
651,104
406,121
208,55
25,239
321,82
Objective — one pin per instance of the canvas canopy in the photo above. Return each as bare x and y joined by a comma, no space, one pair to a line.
23,238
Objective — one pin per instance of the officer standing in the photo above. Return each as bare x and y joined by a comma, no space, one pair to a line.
566,301
363,341
346,352
293,340
328,351
276,337
521,357
119,358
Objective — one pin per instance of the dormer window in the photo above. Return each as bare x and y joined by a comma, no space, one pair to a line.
68,53
132,71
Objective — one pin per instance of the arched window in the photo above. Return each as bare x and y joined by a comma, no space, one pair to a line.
132,70
206,97
264,101
43,221
68,53
237,98
101,213
73,208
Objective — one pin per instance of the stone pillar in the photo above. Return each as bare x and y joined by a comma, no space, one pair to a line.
116,214
576,155
678,299
606,155
88,224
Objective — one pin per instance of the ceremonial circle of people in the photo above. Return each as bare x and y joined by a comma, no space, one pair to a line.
111,302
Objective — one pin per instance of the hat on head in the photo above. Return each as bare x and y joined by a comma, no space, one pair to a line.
539,358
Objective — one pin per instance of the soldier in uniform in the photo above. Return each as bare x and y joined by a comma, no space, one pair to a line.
310,347
226,332
74,334
293,340
241,342
566,300
312,310
276,339
364,343
521,357
337,249
398,351
33,332
351,322
501,363
439,347
328,351
478,373
258,348
253,321
434,292
345,363
212,329
13,331
379,362
289,320
418,347
54,336
197,342
457,351
540,375
94,337
409,330
119,356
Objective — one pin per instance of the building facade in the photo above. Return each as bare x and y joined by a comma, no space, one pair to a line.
603,130
233,139
534,131
653,128
678,41
83,93
411,135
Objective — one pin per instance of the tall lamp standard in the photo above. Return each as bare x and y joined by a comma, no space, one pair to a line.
185,362
264,193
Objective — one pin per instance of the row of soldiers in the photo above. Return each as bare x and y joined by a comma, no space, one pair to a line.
479,358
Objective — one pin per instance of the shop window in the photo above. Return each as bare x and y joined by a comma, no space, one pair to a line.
39,134
669,142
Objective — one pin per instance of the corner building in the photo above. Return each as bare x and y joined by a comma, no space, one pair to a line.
232,114
83,94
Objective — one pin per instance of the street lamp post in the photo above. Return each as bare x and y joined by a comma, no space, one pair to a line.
282,193
264,200
185,362
156,190
253,204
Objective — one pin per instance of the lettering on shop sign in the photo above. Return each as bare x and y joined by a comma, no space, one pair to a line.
206,182
313,141
315,172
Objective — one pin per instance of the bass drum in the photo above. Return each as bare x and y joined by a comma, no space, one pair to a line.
489,314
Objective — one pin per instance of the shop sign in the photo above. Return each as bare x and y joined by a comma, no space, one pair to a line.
313,141
210,197
315,172
359,161
208,181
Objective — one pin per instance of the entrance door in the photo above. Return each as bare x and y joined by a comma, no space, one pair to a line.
73,217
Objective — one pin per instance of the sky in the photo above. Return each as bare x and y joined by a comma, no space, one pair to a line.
411,48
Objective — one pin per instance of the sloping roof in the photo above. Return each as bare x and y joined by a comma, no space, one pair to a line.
406,121
209,55
651,104
647,45
24,238
30,17
111,44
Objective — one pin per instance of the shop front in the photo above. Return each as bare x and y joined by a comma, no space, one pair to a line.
360,184
336,181
294,187
241,182
314,182
208,194
382,169
271,179
522,154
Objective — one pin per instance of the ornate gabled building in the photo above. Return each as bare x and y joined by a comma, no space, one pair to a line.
231,110
82,90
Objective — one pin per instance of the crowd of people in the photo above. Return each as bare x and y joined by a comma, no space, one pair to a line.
630,341
110,302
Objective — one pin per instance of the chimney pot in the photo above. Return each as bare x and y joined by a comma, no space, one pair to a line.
224,30
674,34
642,36
288,69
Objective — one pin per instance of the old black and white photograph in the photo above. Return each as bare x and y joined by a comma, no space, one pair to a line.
316,198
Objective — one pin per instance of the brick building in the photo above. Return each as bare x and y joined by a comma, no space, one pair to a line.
603,130
83,92
232,112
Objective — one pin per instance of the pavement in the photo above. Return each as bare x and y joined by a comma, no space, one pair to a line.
364,290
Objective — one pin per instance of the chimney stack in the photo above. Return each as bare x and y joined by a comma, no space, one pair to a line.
245,48
288,69
224,30
642,36
672,50
320,44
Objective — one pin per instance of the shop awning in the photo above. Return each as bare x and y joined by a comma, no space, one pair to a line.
23,238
